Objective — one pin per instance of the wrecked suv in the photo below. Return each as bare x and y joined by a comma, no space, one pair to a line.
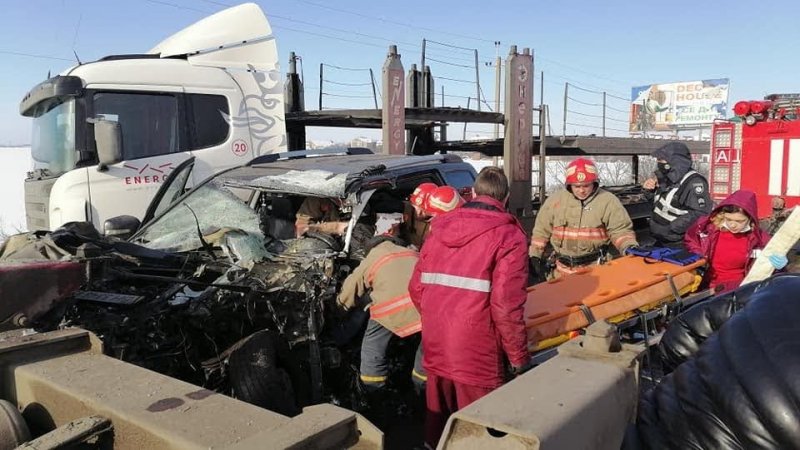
215,289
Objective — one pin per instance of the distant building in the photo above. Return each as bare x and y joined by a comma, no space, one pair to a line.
365,142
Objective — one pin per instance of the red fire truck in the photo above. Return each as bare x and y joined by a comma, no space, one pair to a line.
759,151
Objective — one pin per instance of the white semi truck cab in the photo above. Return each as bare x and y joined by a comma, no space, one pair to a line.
107,133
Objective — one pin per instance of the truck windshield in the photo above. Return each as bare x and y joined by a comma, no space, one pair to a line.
53,140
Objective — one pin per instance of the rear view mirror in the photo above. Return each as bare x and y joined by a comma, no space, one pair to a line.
121,227
108,141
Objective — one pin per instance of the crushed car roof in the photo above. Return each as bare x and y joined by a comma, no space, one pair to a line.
325,176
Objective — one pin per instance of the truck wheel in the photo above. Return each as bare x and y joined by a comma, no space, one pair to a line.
13,429
257,375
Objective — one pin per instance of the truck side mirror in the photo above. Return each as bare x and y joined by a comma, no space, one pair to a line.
121,227
108,141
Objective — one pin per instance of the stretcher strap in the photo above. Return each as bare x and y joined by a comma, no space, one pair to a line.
587,312
675,292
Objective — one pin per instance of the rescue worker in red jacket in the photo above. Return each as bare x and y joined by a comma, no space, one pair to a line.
380,283
730,238
581,222
469,287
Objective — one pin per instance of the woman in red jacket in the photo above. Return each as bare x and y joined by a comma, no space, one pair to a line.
729,238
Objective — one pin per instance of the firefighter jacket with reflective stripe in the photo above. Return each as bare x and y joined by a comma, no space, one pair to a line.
469,287
675,209
576,228
384,274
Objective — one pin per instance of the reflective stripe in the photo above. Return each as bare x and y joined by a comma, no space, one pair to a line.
455,281
625,237
391,306
373,378
385,259
664,207
793,182
775,166
418,375
539,242
580,233
409,329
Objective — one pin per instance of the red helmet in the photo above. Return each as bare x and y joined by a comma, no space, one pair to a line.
442,200
421,193
581,170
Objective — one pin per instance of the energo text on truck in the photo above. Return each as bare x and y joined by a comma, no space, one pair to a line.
107,133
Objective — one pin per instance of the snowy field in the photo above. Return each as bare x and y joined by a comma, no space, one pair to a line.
15,162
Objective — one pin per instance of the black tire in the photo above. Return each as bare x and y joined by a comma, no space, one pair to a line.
257,376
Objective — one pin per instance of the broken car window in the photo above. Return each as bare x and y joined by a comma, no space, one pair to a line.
215,208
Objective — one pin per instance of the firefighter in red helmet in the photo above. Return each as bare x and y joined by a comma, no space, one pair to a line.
416,221
443,199
580,222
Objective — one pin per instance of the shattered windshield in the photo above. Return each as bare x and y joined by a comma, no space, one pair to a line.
215,207
318,183
53,139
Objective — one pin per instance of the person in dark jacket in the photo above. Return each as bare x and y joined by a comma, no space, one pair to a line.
730,238
739,390
469,288
680,195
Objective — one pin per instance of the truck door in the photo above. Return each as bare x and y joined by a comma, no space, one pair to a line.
153,144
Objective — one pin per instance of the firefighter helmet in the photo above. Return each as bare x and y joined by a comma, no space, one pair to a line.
442,200
581,170
420,195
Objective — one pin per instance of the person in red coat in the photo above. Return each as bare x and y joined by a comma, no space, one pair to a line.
730,238
469,288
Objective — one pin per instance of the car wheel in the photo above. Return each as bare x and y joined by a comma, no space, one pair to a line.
13,429
258,377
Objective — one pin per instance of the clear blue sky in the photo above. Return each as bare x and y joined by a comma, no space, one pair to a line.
607,45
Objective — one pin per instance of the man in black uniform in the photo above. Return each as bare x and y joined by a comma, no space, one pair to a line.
680,195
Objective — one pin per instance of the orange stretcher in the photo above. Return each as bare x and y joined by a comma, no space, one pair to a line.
613,291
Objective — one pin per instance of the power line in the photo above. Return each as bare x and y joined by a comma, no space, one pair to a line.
584,103
326,94
32,55
595,75
471,50
456,80
619,98
380,19
175,5
449,63
584,114
617,109
350,69
339,83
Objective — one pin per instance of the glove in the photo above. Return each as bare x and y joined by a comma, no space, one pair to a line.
535,274
519,370
778,261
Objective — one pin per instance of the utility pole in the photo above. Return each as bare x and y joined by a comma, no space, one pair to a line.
477,81
564,122
497,81
604,114
320,86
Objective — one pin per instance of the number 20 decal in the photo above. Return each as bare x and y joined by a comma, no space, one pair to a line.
239,147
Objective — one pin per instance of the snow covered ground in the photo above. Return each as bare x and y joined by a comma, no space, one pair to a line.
15,162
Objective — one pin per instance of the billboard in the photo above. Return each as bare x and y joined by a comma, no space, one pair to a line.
668,106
